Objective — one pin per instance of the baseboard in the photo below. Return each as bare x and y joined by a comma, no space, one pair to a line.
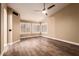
13,42
74,43
6,46
31,36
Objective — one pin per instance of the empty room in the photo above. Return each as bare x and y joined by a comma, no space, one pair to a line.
39,29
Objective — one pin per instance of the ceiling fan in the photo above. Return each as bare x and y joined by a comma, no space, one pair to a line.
44,10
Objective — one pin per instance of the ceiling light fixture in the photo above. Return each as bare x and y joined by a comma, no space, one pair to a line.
44,11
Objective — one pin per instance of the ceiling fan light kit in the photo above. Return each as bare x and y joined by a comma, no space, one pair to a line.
44,11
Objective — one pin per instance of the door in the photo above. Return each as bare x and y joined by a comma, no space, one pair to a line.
9,25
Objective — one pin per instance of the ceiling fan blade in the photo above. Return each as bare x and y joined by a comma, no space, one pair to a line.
50,6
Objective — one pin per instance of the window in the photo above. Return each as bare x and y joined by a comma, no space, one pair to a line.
35,28
25,28
22,27
44,28
31,28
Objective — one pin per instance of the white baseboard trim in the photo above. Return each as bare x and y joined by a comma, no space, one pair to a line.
13,42
31,36
6,46
74,43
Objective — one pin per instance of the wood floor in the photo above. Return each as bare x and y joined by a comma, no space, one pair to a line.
41,46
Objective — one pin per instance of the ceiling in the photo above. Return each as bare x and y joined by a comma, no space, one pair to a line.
28,11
